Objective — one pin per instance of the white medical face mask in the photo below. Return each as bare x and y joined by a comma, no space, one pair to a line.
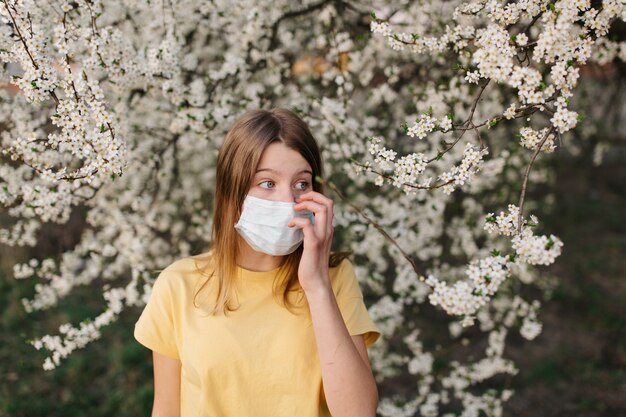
263,224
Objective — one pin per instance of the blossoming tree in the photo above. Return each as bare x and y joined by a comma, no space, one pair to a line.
433,116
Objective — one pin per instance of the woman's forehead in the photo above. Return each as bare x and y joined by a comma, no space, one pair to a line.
278,159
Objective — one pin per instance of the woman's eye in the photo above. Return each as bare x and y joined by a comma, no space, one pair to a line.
303,185
267,182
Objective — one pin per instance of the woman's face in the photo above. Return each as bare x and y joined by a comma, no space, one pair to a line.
282,174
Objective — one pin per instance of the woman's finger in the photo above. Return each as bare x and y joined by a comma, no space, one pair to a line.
320,212
303,223
316,197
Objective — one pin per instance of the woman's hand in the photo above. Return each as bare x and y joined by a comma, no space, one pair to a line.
313,270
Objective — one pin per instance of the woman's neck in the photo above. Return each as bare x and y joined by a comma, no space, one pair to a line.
252,260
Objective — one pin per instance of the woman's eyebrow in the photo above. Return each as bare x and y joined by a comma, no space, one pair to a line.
305,171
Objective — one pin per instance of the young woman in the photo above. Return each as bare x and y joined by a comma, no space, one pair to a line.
268,322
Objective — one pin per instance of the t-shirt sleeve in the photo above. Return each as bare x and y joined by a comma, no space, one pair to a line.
157,325
352,307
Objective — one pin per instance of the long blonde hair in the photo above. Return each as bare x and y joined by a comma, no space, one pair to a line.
237,160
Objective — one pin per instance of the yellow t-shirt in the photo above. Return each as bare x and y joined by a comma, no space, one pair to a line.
260,360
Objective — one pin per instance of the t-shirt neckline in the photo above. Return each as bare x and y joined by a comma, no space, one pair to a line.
249,275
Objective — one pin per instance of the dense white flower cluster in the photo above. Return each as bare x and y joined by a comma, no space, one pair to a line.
465,297
463,377
531,139
422,126
530,329
472,77
531,249
122,117
422,362
384,157
86,129
445,123
504,223
569,30
563,118
494,54
406,169
536,250
470,165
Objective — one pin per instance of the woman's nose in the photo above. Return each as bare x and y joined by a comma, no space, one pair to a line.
288,196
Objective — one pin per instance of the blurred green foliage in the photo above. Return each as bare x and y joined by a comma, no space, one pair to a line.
111,377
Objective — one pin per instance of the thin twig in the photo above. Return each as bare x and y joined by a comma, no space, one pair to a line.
404,184
19,34
525,182
373,223
468,124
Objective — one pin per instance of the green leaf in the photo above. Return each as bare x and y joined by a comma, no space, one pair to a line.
550,243
439,156
495,252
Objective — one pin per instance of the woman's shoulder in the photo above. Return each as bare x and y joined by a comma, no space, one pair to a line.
184,271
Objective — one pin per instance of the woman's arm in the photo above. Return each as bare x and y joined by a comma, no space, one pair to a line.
349,386
166,386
